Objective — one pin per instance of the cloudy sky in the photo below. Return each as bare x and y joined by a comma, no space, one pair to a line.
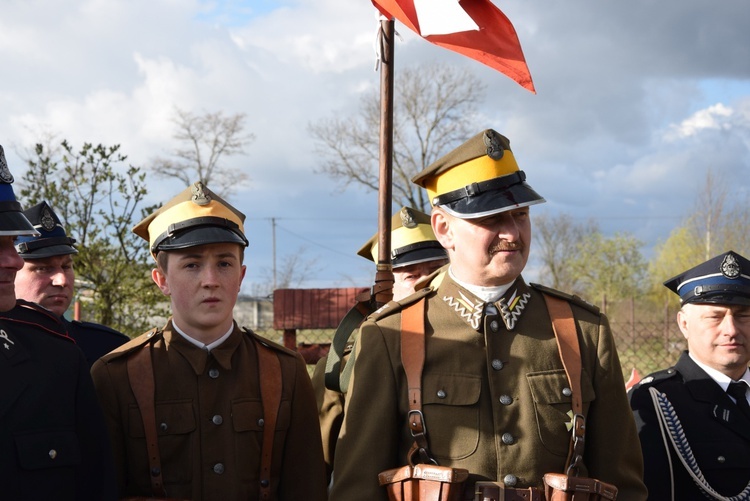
636,101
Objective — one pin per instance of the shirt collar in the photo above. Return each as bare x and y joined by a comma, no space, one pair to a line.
721,379
199,344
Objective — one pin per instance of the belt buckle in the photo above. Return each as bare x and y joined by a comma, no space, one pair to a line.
489,491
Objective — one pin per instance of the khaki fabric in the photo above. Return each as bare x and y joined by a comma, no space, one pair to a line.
494,396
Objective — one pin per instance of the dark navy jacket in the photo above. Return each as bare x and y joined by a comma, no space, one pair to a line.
716,430
94,340
53,438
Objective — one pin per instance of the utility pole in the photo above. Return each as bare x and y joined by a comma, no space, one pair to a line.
273,243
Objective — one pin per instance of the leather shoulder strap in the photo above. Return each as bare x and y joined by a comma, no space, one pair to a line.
566,335
412,358
141,376
269,372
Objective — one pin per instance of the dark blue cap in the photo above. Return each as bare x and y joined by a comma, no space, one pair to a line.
12,220
724,279
52,239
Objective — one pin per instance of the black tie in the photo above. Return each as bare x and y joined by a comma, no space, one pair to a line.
738,390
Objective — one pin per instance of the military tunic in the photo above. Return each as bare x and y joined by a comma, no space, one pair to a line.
717,432
494,395
94,340
52,433
209,414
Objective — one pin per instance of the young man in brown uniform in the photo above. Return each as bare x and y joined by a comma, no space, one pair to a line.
202,409
495,396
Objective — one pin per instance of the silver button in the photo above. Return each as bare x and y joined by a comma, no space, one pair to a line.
219,468
217,419
510,480
508,439
52,453
497,364
506,399
163,426
494,326
261,422
213,373
721,459
567,392
441,393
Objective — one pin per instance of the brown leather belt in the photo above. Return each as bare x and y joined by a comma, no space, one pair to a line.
496,491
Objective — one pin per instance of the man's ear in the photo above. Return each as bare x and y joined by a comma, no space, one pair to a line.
160,279
682,322
442,229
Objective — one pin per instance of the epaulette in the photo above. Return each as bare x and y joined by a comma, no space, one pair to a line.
572,298
396,306
133,345
657,377
268,343
32,314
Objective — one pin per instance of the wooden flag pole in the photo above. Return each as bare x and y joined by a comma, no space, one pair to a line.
383,290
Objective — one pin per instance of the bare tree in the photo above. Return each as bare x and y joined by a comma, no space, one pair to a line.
434,110
556,240
205,139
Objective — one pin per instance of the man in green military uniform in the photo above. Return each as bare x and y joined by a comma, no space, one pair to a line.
495,396
415,254
201,409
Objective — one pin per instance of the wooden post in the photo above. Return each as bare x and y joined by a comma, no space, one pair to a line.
383,289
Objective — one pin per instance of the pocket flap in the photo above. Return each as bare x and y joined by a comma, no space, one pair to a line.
48,449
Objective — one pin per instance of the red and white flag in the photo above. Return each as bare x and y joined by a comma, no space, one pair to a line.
474,28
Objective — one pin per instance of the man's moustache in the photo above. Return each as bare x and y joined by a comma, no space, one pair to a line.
506,246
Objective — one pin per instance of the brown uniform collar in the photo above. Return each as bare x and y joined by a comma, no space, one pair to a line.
198,357
472,309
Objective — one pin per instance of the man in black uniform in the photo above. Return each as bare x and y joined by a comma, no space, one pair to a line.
52,433
48,277
694,418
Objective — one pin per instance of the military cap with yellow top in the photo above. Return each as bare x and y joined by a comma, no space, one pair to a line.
478,179
13,222
412,240
197,216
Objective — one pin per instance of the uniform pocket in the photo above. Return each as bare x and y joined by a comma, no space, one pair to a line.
175,422
48,449
552,404
451,410
248,422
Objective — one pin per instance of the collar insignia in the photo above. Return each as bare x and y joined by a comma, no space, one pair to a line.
512,307
467,309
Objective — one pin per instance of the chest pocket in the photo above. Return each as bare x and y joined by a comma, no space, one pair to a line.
451,408
247,415
552,402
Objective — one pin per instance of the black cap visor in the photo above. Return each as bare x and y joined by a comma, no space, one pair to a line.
15,223
199,235
419,255
492,202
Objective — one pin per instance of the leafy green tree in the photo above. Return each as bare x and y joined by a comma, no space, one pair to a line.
716,226
610,267
99,199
